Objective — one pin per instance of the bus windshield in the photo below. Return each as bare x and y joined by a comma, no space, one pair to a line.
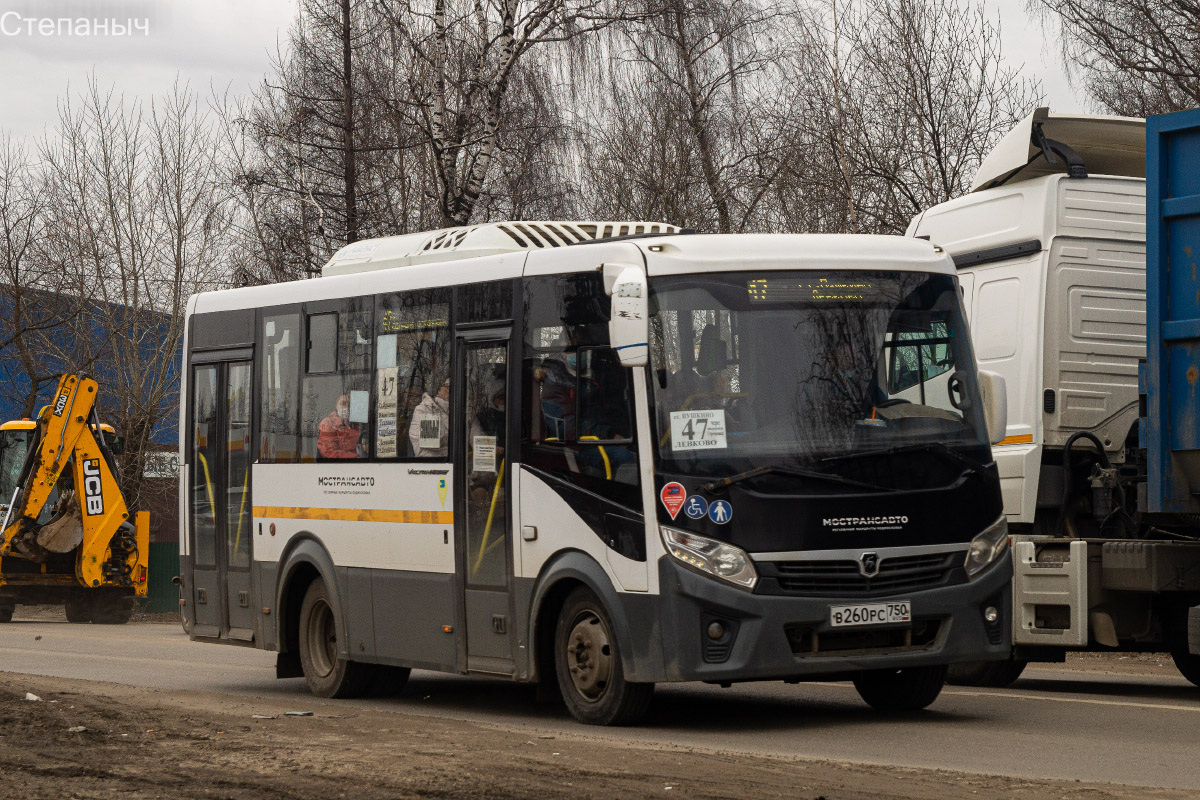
805,368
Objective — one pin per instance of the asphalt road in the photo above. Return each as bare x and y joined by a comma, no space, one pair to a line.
1141,730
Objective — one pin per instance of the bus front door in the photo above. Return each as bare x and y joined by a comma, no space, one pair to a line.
484,499
221,515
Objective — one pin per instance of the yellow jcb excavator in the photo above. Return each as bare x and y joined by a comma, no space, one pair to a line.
66,535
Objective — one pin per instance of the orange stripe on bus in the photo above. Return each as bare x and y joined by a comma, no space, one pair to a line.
1024,438
356,514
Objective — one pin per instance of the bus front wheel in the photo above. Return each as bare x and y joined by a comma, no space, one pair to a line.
326,674
589,669
898,690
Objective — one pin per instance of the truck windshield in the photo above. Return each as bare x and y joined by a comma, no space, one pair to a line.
791,368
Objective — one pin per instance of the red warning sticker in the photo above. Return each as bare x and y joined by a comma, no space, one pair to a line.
673,495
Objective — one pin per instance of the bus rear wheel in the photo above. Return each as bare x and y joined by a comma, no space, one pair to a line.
7,609
899,690
588,664
326,674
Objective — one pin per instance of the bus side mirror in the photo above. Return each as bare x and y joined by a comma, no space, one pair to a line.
629,321
995,404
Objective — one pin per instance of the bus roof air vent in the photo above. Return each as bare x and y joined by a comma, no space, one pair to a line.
474,241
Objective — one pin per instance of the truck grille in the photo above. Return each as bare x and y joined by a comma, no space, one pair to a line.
842,578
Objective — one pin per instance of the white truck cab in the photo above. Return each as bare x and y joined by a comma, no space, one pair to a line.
1050,252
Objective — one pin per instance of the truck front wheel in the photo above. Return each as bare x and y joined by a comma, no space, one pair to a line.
1188,665
898,690
996,674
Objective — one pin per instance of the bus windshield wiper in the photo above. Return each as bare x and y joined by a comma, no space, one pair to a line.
829,477
919,447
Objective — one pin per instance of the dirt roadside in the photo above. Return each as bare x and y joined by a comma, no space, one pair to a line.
139,743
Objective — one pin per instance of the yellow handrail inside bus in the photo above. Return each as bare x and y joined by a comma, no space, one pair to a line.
487,528
237,542
212,503
603,454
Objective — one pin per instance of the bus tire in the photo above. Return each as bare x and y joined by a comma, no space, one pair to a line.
995,674
326,674
899,690
7,608
78,609
588,664
1188,665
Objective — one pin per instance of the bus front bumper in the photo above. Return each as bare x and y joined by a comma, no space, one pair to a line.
770,637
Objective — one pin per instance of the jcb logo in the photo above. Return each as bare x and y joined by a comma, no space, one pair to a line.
92,489
60,404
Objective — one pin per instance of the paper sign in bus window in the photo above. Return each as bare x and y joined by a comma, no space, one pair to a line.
359,401
430,428
698,430
484,450
386,408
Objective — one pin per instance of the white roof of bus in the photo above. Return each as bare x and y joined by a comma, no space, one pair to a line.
1107,145
474,241
665,255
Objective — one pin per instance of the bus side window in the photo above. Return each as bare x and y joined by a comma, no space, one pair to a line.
578,396
280,419
335,402
413,362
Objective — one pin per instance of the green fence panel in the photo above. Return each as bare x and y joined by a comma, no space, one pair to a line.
161,594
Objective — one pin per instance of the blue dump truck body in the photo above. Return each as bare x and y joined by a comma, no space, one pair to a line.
1170,431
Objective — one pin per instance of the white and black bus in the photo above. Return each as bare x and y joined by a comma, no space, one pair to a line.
597,456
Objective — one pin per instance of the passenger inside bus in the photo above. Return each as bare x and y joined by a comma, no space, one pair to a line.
337,436
429,432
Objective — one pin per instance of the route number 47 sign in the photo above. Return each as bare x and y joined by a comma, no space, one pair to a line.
698,430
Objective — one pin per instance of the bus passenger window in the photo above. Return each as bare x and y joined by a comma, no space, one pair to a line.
335,404
412,374
280,389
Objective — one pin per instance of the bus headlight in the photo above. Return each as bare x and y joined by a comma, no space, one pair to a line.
724,561
987,547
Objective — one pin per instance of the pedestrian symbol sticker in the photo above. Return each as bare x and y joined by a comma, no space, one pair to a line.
696,507
672,496
720,512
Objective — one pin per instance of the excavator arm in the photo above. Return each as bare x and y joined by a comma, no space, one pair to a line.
69,453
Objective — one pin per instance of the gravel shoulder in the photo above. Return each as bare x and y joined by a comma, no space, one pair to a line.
139,743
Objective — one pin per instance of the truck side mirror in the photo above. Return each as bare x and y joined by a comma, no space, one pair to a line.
995,404
629,322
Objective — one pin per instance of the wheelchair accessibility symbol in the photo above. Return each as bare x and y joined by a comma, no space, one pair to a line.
696,507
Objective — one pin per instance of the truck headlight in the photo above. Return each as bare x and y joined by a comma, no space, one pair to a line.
724,561
987,547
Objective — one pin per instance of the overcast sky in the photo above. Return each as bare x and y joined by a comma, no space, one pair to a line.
230,42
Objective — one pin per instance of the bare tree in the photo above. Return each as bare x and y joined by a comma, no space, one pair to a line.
896,108
133,200
1134,57
465,56
701,68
